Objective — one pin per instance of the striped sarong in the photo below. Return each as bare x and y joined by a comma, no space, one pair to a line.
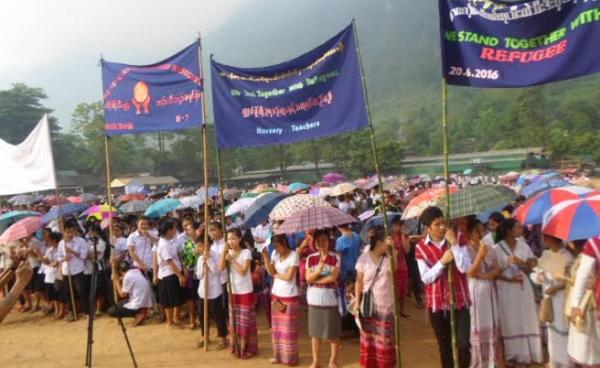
284,328
377,345
244,309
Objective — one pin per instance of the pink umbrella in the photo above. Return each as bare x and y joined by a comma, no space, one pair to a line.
333,178
313,218
21,229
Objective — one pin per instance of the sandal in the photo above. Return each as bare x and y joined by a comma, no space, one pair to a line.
273,361
222,345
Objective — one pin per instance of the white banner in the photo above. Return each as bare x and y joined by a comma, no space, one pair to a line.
29,165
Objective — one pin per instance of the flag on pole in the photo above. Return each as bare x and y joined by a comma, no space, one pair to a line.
315,95
158,97
29,165
490,43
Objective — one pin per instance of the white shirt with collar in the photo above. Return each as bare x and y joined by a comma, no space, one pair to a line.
261,231
76,264
167,250
142,246
218,246
461,259
100,248
214,276
138,288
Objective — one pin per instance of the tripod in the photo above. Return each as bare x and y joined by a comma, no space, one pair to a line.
91,311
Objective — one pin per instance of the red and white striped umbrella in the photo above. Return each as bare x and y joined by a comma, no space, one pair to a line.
314,218
296,203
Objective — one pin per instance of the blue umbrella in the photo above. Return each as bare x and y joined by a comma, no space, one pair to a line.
11,217
377,220
259,210
162,207
63,210
297,187
543,183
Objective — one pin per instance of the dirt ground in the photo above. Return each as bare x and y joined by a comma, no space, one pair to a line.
31,340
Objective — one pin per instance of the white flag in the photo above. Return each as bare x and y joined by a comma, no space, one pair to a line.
29,165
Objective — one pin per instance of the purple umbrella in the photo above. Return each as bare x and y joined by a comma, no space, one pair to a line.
333,178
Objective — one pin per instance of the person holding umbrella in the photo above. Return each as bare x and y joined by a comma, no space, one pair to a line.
324,320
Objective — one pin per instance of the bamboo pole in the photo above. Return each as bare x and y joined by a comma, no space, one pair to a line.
453,331
393,259
206,214
221,195
109,200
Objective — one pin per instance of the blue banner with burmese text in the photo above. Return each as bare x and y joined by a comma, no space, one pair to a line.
314,95
487,43
159,97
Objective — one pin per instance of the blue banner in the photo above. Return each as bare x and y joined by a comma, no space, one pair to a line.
314,95
158,97
488,43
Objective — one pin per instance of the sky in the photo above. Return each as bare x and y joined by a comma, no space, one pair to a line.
56,45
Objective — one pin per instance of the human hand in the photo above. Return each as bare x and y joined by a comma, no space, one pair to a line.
576,313
155,280
447,258
551,291
451,237
182,280
483,250
23,273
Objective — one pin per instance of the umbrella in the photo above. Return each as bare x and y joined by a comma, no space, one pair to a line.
320,191
88,197
24,199
297,187
333,178
532,212
575,219
259,210
239,206
193,202
135,206
366,215
361,183
341,189
101,211
63,210
132,197
313,218
249,195
212,192
74,199
296,203
376,220
162,207
21,229
419,203
53,200
474,200
543,183
11,217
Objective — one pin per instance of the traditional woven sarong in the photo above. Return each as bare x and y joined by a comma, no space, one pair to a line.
377,344
245,324
284,329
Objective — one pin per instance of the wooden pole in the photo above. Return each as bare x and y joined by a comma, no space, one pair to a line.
393,259
221,195
109,200
206,214
447,211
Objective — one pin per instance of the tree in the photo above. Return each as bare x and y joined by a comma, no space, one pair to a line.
20,110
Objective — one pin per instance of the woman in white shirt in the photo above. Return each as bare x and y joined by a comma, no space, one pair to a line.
242,310
50,267
283,267
171,278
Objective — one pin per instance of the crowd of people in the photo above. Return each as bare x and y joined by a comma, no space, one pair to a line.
510,309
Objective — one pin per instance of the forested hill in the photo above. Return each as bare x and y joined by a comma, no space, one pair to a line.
400,47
